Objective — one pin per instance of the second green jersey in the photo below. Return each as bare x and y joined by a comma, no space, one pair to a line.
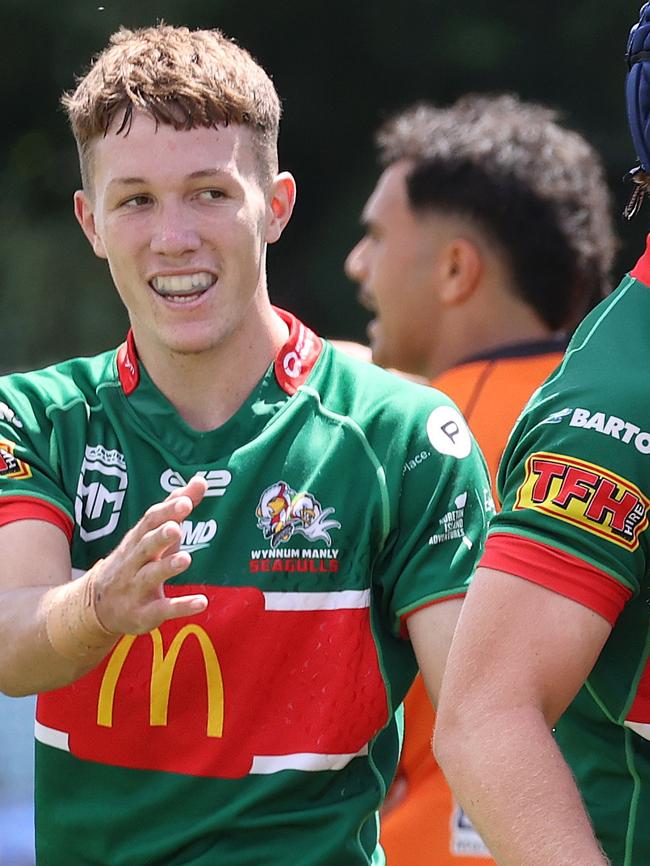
575,486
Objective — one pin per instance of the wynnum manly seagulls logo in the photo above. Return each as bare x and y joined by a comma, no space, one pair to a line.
281,513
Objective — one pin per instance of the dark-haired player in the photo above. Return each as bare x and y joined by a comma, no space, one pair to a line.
487,236
554,632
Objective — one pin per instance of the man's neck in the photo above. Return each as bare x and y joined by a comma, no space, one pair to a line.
467,336
208,388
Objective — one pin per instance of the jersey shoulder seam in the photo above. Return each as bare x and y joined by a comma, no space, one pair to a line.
79,398
357,430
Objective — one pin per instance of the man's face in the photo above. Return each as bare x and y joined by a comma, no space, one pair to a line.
183,220
395,267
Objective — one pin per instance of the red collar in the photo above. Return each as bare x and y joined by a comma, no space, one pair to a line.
296,359
293,364
128,366
641,270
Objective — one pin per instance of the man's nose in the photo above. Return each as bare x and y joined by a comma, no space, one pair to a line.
173,236
354,263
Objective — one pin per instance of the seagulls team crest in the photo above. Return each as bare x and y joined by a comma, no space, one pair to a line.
282,512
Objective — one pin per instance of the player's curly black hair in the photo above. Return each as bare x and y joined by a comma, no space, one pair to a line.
534,187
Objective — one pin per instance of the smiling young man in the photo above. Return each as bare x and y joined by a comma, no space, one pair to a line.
265,537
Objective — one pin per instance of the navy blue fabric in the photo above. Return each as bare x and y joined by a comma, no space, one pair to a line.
637,86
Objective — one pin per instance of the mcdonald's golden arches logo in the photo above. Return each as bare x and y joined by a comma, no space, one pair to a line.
162,670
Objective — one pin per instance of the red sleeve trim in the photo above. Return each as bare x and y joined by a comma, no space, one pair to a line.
404,618
13,508
558,571
641,270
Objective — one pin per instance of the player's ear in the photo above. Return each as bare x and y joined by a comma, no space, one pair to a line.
461,267
281,202
84,211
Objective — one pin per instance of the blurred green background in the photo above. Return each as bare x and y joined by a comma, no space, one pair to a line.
340,68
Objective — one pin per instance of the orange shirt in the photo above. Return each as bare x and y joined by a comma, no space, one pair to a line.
427,827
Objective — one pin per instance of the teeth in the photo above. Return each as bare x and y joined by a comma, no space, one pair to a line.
184,284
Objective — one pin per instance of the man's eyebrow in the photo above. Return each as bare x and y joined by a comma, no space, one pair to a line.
126,181
206,172
195,175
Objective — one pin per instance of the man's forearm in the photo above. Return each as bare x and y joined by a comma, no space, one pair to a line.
50,637
54,630
508,774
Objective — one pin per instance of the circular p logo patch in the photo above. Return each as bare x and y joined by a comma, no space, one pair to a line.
448,432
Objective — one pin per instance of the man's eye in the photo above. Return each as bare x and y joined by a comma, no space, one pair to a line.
136,201
212,194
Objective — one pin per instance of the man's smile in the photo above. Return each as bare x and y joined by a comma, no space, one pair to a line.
181,288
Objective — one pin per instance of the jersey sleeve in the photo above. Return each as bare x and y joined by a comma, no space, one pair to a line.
30,477
441,501
575,485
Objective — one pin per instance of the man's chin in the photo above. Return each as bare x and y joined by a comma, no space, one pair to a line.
380,352
379,355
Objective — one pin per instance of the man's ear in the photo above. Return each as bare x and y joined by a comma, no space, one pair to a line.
83,210
282,200
461,268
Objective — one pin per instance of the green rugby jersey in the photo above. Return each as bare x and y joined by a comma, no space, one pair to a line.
262,731
575,486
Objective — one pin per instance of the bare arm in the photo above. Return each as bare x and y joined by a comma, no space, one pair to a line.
519,656
52,629
431,630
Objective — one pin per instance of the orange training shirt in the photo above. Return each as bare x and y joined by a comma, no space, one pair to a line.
426,827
